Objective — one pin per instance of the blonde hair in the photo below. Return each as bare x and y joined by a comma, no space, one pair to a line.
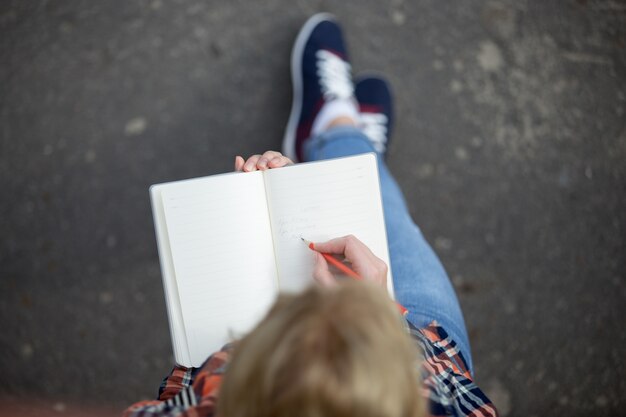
339,351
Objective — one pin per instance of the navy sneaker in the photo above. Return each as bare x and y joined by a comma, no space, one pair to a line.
376,110
320,72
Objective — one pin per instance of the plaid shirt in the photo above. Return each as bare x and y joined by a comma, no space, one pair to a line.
447,383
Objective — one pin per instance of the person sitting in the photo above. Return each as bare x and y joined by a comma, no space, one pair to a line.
341,348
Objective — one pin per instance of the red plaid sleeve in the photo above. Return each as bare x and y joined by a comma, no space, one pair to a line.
447,383
187,392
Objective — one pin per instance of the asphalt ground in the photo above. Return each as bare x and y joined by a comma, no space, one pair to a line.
510,144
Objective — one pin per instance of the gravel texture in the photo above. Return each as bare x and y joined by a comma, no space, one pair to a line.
510,145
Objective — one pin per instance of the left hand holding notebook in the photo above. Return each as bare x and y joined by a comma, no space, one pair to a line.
269,159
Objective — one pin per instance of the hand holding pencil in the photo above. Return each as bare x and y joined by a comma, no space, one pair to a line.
365,265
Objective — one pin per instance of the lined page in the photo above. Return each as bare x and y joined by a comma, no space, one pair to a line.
221,245
320,201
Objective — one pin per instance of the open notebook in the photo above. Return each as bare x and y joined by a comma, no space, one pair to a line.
229,243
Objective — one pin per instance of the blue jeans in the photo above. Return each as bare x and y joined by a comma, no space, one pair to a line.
420,281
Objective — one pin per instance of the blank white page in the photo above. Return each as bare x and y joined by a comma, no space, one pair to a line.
320,201
222,256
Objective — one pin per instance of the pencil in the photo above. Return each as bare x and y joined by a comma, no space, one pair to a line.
344,268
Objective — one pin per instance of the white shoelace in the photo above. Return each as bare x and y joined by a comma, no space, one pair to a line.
336,83
374,126
334,74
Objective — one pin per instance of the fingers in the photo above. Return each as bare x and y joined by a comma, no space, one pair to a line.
279,161
321,273
337,245
270,159
239,162
349,246
251,163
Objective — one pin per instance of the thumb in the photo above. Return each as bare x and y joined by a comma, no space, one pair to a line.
321,272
